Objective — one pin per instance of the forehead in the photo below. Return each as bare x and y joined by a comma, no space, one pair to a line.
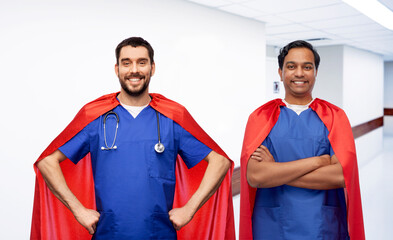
130,52
299,55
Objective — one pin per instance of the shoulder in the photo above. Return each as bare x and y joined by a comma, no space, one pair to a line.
99,106
158,99
329,113
168,107
92,111
266,109
320,103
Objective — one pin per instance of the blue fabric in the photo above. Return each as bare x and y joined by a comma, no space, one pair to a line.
287,212
134,185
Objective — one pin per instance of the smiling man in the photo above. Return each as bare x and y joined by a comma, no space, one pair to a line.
298,160
143,167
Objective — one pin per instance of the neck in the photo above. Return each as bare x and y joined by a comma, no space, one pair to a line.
304,100
129,100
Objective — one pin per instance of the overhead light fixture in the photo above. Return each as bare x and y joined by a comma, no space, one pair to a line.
317,39
374,10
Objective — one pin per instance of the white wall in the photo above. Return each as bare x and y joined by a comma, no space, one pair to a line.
353,80
57,55
363,85
388,87
329,82
363,97
272,77
388,97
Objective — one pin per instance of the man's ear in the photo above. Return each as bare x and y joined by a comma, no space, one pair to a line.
153,68
117,69
280,73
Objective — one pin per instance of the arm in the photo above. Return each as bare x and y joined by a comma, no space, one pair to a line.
324,178
264,172
215,172
51,172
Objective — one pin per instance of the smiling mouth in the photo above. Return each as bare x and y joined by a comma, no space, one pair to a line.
298,82
135,79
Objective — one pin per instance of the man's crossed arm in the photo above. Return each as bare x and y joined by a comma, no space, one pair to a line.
321,172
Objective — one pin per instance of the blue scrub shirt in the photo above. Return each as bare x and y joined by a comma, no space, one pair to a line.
135,185
287,212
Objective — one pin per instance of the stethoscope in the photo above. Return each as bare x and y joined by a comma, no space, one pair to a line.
159,147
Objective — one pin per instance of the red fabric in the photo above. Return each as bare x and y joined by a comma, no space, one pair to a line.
259,125
52,220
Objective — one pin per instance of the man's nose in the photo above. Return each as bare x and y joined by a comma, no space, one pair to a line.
299,72
134,68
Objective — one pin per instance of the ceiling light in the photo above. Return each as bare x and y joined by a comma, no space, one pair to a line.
374,10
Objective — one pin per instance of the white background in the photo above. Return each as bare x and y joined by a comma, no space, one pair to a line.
55,56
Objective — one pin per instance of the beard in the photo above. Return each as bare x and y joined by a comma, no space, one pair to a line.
135,92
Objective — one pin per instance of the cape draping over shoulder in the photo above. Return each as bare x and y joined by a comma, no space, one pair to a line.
259,125
52,220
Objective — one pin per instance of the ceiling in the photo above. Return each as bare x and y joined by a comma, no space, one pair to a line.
321,22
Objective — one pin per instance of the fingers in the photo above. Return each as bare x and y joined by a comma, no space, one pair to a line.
262,153
91,230
173,221
94,227
334,159
266,151
325,159
176,227
91,223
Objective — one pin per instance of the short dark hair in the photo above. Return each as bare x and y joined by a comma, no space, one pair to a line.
135,42
297,44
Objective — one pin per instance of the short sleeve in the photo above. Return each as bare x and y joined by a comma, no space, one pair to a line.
331,150
77,147
190,149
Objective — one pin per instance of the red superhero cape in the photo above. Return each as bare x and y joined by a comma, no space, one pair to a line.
52,220
259,125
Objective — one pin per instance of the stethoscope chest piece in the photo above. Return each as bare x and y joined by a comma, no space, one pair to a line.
159,147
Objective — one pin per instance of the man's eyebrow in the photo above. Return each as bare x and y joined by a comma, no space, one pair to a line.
143,59
293,62
139,59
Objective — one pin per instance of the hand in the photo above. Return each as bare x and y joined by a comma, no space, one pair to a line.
334,160
88,218
262,154
180,217
325,159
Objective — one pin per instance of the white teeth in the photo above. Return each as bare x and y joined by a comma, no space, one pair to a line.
134,79
299,82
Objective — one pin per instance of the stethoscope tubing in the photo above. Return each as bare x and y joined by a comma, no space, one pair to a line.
113,146
159,147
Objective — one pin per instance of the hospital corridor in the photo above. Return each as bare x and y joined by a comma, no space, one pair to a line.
376,183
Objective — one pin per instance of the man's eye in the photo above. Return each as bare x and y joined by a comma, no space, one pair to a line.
291,66
308,67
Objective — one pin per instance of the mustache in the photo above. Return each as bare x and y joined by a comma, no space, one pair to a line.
135,75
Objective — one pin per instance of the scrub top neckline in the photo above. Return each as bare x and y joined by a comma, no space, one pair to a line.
130,115
298,109
121,104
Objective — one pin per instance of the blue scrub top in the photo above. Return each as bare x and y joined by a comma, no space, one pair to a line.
135,185
287,212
